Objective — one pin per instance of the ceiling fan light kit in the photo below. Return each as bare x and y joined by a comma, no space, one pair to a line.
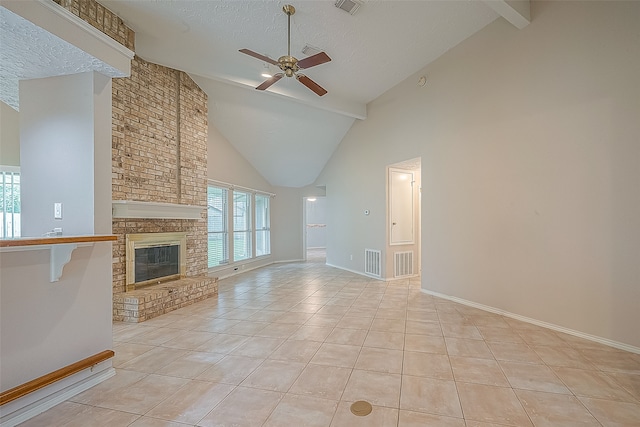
290,65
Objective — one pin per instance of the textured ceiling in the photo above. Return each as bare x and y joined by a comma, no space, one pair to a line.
371,51
28,52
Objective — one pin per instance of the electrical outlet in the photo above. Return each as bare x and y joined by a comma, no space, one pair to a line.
351,257
57,210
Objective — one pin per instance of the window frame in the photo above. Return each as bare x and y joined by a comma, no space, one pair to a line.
267,226
224,209
246,218
253,198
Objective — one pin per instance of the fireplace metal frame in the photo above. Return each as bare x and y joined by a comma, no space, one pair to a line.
147,240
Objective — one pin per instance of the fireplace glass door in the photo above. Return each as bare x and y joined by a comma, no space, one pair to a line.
157,262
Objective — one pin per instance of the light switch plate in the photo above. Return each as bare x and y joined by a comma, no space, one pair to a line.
57,211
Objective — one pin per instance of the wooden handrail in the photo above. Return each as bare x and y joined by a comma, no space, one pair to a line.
55,240
50,378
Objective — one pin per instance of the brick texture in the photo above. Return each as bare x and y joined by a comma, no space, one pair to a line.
144,304
159,154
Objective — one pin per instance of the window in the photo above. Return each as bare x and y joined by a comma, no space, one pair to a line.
241,225
263,224
243,216
218,226
9,202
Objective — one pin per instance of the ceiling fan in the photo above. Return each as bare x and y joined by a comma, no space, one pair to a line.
290,65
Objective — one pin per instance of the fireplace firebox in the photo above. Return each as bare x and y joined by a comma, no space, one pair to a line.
153,258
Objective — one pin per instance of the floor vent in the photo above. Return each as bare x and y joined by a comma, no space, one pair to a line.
372,262
403,264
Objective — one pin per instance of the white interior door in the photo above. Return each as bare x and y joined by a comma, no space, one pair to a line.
401,207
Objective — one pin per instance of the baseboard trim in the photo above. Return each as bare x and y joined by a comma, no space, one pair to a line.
594,338
230,270
359,273
49,402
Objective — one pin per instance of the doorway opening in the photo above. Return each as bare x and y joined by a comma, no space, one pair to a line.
403,217
315,229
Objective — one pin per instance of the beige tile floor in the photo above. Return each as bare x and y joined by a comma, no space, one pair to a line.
296,344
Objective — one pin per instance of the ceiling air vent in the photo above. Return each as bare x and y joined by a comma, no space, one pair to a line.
350,6
310,50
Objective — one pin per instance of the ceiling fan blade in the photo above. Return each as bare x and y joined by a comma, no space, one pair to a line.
260,57
319,90
270,81
313,60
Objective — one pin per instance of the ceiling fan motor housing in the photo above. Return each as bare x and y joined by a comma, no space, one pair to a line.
289,65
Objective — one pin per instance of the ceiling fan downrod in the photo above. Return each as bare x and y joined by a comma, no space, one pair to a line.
289,10
288,64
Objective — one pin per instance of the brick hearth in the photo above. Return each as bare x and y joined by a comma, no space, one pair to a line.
144,304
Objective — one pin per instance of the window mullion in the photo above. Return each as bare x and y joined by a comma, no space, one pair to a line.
230,225
254,207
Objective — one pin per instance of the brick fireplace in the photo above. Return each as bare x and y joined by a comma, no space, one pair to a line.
159,159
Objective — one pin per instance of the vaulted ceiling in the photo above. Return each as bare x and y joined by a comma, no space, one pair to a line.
287,132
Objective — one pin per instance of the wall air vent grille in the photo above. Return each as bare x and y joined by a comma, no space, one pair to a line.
372,264
350,6
403,264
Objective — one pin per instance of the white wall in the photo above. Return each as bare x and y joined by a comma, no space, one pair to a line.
57,142
355,180
102,109
9,136
226,164
45,326
530,169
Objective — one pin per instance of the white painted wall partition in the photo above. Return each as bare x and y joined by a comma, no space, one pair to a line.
57,117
